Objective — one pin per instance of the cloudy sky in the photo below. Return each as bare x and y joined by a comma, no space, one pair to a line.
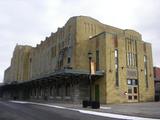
28,22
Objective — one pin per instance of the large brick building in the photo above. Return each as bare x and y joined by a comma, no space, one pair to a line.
156,71
58,67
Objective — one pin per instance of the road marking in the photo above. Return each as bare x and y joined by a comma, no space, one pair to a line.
102,114
117,116
21,102
105,108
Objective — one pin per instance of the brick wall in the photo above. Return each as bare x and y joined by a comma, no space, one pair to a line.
156,71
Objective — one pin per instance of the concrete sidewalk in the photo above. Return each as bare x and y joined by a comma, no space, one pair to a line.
149,109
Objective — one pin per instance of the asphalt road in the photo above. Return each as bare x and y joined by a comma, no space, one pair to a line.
15,111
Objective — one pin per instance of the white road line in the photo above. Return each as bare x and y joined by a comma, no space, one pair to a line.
22,102
110,115
105,108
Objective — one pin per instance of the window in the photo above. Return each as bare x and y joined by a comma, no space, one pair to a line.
116,67
117,81
129,82
129,44
135,89
30,60
115,42
129,90
88,27
130,97
135,60
145,58
132,82
127,57
130,58
131,53
136,82
97,60
92,29
69,39
135,97
95,29
144,47
145,70
116,53
69,60
69,54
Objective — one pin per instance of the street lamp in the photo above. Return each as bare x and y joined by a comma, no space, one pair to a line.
86,103
90,77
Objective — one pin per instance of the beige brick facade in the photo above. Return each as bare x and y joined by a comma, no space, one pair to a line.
19,69
122,55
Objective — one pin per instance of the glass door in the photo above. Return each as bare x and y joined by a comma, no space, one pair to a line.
132,91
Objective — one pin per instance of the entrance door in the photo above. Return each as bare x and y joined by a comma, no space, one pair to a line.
96,92
132,91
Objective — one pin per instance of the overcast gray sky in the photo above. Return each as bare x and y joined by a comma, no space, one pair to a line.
28,22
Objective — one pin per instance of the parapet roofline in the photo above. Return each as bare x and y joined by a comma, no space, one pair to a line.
87,17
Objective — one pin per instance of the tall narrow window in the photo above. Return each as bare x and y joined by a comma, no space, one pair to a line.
95,29
91,28
68,60
97,60
136,60
145,70
132,59
69,39
127,55
69,54
116,67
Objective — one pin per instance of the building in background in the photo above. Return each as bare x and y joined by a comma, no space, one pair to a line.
58,68
156,71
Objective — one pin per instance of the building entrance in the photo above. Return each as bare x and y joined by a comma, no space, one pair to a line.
132,90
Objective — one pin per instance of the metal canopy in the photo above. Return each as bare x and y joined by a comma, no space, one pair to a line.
67,73
61,75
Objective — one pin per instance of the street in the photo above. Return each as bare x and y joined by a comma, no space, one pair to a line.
15,111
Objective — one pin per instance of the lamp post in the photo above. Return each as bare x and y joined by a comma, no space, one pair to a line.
90,77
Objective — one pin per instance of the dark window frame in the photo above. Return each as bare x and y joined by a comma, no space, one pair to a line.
116,67
97,60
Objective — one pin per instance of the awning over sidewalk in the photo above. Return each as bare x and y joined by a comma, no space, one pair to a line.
62,75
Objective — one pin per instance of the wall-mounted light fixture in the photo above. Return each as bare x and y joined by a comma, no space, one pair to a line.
110,70
150,75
